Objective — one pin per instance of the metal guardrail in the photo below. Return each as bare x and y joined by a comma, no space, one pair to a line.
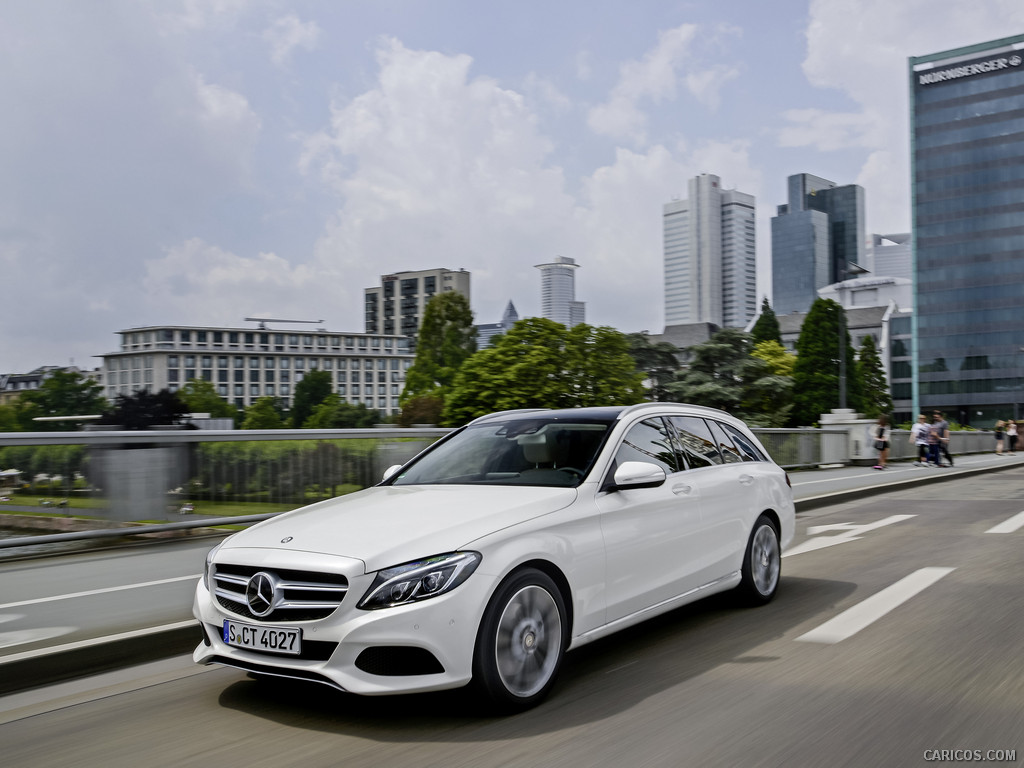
132,476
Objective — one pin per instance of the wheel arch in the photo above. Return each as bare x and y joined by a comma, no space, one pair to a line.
554,573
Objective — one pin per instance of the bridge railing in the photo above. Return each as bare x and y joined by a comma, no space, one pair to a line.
176,476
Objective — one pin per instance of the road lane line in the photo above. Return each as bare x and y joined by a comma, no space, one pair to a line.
865,613
25,655
193,577
1009,526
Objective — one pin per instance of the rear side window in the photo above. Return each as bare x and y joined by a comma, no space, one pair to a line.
648,441
725,446
743,444
697,447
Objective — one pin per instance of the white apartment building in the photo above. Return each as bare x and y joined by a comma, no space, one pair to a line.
245,364
710,256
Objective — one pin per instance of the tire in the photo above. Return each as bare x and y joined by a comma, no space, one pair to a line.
762,563
521,642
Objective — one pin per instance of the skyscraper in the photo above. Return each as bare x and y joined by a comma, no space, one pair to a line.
817,239
558,292
710,256
967,182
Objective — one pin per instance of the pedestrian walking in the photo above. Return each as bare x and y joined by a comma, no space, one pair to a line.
1000,434
1011,436
943,435
919,438
882,431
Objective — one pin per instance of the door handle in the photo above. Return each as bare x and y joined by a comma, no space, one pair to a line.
680,489
746,479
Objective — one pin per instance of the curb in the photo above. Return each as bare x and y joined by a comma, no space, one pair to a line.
45,666
815,502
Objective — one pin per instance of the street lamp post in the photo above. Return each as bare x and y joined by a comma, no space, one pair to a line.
851,270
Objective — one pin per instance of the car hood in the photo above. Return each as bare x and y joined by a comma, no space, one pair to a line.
389,525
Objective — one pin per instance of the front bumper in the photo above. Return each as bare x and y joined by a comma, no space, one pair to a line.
365,652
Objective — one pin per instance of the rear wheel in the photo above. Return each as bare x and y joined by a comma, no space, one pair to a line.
762,563
521,641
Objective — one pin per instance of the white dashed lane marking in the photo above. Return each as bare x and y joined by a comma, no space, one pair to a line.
1015,523
867,612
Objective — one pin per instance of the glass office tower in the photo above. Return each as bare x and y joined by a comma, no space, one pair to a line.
967,134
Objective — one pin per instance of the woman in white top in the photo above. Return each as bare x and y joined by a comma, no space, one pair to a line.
919,437
1011,436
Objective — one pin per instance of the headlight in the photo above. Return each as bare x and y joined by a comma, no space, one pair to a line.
209,565
419,580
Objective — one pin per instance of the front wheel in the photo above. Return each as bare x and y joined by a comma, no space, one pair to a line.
762,563
521,641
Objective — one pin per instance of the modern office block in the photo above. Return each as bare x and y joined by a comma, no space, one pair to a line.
967,181
487,331
818,239
710,256
244,364
396,306
558,292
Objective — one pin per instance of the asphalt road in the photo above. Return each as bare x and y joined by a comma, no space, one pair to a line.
898,630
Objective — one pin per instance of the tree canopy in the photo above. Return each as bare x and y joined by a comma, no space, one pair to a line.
309,393
658,361
724,374
265,413
201,397
816,371
334,413
446,339
145,410
876,398
539,363
62,393
767,326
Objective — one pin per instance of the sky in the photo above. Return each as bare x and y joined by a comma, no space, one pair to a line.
197,162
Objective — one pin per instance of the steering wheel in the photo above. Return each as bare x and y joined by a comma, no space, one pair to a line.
578,474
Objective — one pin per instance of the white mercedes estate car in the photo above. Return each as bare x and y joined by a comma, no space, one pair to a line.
521,536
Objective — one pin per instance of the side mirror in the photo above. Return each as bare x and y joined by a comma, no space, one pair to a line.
390,471
638,474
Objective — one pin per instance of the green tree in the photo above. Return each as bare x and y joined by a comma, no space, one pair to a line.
9,419
422,409
542,364
446,339
201,397
876,399
658,361
334,413
724,374
145,410
62,393
767,326
309,393
779,360
265,413
816,372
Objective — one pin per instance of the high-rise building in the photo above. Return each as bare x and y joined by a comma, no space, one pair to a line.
396,307
967,182
817,239
558,292
710,251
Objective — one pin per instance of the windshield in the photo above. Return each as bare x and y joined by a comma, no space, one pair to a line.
518,452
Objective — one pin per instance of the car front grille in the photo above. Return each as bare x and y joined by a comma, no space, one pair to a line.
299,595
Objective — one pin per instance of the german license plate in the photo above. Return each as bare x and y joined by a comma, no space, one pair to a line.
257,638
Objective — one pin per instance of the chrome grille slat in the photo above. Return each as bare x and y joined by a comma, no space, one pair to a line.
302,595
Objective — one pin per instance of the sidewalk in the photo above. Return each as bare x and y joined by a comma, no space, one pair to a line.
819,487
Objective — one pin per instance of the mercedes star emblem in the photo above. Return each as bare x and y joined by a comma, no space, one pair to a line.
259,593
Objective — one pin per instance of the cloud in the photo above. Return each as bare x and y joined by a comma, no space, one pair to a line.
227,287
288,33
227,123
653,77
